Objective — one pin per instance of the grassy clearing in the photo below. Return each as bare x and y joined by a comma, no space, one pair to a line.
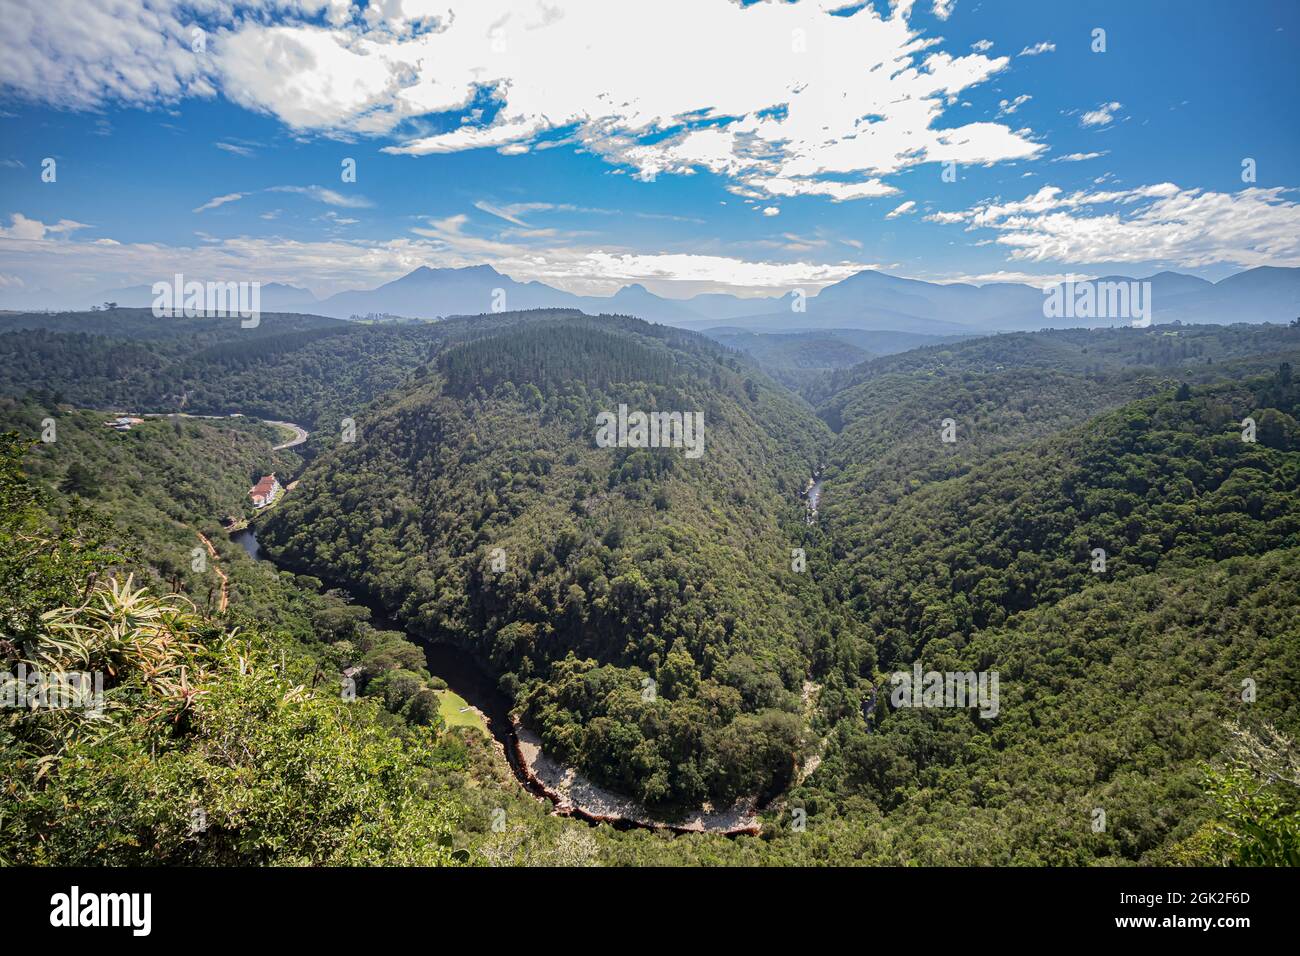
455,711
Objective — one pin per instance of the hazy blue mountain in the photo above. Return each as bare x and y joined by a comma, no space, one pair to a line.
716,305
275,297
436,293
639,301
866,301
875,300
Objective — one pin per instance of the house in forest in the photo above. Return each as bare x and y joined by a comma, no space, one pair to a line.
265,491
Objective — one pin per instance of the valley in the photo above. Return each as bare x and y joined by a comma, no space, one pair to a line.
631,624
466,453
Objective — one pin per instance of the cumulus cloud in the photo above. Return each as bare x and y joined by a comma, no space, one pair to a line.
1103,115
902,210
33,230
1007,107
982,46
838,191
78,55
826,106
1159,223
333,264
851,99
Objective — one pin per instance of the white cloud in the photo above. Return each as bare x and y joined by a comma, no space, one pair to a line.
857,97
1007,107
902,210
237,149
947,218
327,196
1079,157
79,55
1160,223
33,230
216,201
1101,116
792,120
506,213
1038,49
982,46
803,187
319,193
722,273
943,8
771,211
1036,279
333,264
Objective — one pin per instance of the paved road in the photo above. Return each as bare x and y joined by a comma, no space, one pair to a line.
299,435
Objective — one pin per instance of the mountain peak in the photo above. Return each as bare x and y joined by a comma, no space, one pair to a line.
425,273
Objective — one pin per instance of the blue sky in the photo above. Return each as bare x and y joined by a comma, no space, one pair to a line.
701,146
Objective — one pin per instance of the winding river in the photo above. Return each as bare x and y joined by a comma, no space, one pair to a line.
539,775
461,672
813,495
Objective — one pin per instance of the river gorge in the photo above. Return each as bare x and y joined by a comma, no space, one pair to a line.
543,777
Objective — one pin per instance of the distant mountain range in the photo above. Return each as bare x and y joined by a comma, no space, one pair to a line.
868,300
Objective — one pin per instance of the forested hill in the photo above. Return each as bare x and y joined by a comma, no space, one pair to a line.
1190,352
1101,531
623,566
1121,677
157,484
620,565
302,368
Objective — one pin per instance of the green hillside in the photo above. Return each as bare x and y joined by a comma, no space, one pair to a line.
642,608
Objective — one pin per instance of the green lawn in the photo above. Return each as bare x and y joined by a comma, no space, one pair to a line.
451,705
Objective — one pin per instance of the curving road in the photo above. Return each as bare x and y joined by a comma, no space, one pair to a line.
299,434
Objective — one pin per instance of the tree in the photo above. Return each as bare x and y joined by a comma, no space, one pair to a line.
1257,795
422,709
210,749
79,480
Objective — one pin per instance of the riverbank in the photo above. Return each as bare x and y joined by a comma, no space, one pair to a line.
576,796
813,496
569,791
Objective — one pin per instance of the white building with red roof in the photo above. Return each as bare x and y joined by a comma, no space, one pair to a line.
265,491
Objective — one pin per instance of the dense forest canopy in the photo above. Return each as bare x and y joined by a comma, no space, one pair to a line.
678,630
